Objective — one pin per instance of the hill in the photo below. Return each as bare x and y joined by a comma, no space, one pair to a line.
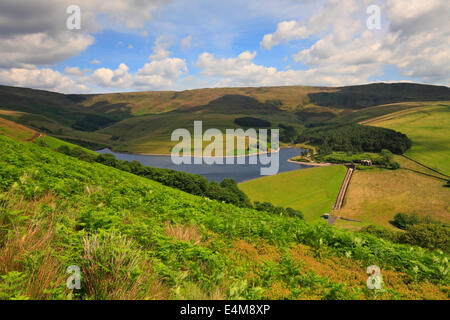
16,131
428,128
142,121
134,238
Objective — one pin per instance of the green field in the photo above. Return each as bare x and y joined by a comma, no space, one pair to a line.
312,191
429,129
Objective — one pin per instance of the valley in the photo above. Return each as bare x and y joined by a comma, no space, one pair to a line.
188,232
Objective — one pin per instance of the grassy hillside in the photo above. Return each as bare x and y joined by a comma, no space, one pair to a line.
362,96
16,131
429,129
139,103
152,133
291,98
142,121
376,111
136,239
312,191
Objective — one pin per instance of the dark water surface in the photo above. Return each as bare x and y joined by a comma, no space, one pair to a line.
215,172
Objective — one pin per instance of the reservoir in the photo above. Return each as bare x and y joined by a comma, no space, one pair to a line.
215,172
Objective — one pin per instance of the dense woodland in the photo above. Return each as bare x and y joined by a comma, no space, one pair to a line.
355,138
252,122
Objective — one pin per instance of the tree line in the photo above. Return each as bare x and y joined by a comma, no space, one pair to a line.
355,138
226,191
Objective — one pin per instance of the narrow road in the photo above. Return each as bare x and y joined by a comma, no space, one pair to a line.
343,189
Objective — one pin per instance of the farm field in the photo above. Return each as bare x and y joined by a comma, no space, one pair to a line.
375,196
429,129
312,191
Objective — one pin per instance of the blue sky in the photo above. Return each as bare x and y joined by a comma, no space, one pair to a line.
181,44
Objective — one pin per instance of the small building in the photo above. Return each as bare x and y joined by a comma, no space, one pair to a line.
367,163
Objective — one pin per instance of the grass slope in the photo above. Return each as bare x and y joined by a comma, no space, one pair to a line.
152,133
136,239
16,131
312,191
428,128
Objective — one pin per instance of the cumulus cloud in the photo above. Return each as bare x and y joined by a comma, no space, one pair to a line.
157,74
46,79
415,39
286,31
118,78
170,68
335,14
34,32
242,71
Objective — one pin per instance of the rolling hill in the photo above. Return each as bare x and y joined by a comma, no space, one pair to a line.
141,122
428,127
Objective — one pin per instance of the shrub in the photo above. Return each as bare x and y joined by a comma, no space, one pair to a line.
63,149
269,207
294,213
428,235
382,233
114,268
402,220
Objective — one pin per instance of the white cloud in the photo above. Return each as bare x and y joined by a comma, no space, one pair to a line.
46,79
75,71
34,33
118,78
334,14
95,61
157,74
286,31
160,51
29,50
415,39
170,68
241,71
